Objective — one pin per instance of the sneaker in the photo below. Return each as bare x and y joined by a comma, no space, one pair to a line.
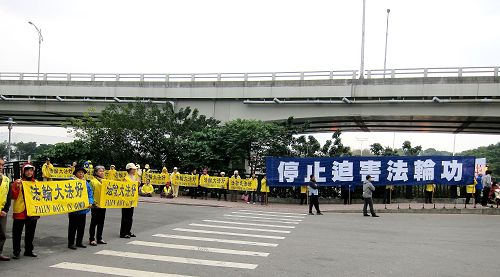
101,242
366,215
374,215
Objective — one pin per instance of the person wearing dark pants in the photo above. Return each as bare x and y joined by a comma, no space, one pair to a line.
313,195
487,182
77,220
346,192
98,214
223,188
5,197
388,194
303,195
20,215
368,190
128,213
429,192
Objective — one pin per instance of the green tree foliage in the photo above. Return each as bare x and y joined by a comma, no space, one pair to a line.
434,152
65,153
411,151
492,155
378,150
22,150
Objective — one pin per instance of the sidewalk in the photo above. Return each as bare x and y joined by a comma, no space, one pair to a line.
439,208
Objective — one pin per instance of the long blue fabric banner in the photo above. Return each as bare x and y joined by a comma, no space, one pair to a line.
399,171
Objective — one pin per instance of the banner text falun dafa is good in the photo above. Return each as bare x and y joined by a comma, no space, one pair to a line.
61,172
213,182
118,194
242,184
185,180
55,197
156,178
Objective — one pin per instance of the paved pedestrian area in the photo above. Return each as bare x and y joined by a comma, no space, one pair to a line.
189,240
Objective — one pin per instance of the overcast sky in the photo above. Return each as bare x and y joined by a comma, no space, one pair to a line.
244,36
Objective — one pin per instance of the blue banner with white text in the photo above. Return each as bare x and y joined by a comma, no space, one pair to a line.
399,171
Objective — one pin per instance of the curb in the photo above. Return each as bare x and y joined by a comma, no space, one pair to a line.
427,211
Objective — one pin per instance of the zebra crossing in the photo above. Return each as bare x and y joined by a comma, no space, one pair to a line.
221,243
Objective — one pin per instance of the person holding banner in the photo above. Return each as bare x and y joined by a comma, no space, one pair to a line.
223,188
46,167
128,213
174,185
76,224
429,193
98,214
203,182
164,171
194,190
5,197
253,192
368,190
20,215
112,172
234,193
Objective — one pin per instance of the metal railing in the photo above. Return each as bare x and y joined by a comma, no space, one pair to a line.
457,72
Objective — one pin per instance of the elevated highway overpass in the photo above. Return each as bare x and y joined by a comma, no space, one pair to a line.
459,100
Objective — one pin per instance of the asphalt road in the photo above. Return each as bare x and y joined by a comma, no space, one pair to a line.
270,244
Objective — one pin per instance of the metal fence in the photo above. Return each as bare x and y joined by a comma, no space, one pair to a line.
457,72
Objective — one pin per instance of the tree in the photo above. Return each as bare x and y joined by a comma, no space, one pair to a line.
434,152
65,153
22,150
492,155
378,150
411,151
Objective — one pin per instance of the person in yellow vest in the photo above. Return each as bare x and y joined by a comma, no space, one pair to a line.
223,187
167,191
138,172
194,190
46,168
164,174
470,191
5,196
145,173
147,189
20,215
388,194
112,172
128,213
175,187
98,214
234,193
253,192
264,190
429,193
303,195
203,182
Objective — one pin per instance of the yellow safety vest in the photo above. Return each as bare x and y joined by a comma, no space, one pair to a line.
4,191
96,189
147,189
263,185
303,189
46,170
430,187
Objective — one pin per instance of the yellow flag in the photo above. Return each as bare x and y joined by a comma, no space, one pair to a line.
55,197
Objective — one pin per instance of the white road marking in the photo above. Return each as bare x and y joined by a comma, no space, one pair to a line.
113,270
227,233
260,217
240,228
266,212
273,215
242,242
246,219
199,248
249,224
172,259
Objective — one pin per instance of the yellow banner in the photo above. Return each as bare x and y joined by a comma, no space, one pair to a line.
156,178
118,194
119,175
55,197
242,184
61,172
213,182
186,180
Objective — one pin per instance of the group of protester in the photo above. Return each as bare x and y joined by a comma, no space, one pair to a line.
77,220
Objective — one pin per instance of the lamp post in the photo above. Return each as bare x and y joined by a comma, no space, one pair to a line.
362,69
9,122
361,140
386,35
40,39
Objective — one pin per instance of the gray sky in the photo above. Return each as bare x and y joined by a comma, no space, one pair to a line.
244,36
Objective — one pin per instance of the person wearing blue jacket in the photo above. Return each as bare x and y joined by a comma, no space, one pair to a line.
77,219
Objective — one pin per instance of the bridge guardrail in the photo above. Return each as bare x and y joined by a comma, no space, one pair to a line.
256,76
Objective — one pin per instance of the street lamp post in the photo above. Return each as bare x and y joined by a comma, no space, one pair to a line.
9,122
40,39
386,35
362,69
361,140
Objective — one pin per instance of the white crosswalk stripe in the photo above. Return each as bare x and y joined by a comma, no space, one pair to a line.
254,219
240,228
269,218
113,270
272,215
173,259
242,242
199,248
227,233
249,224
266,212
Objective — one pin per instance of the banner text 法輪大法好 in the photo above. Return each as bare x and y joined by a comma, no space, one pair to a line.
55,197
403,171
213,182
